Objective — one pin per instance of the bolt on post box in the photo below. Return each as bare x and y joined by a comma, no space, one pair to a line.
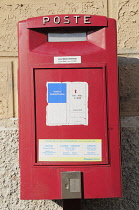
68,107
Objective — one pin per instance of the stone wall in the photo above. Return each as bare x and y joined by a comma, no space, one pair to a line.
126,12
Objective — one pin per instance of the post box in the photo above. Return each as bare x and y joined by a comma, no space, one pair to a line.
68,107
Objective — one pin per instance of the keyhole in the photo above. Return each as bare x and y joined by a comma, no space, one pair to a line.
66,183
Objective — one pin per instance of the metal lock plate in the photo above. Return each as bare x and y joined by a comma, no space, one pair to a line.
71,185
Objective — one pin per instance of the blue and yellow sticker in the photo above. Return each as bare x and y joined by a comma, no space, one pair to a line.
70,150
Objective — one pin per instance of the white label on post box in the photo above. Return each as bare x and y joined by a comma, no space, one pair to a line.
67,103
70,149
67,59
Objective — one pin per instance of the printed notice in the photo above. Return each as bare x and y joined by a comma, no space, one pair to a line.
67,103
67,59
70,150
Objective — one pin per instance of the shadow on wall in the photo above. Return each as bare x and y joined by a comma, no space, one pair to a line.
129,103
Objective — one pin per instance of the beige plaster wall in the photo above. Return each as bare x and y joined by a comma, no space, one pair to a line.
126,12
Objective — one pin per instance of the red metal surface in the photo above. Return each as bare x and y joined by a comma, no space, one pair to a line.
42,180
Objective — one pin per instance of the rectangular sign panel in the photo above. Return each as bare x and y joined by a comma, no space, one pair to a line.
67,103
70,150
67,59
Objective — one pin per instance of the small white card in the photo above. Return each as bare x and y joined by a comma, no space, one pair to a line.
67,103
67,59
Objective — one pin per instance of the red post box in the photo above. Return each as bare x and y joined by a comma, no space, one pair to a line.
68,107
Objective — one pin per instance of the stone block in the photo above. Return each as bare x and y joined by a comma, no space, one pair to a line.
15,86
129,85
6,90
126,12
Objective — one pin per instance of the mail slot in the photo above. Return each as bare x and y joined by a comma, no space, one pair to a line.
68,108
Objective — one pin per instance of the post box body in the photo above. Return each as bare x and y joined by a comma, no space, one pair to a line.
68,105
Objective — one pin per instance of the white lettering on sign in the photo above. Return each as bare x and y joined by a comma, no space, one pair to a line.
67,20
45,20
57,19
86,19
76,18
